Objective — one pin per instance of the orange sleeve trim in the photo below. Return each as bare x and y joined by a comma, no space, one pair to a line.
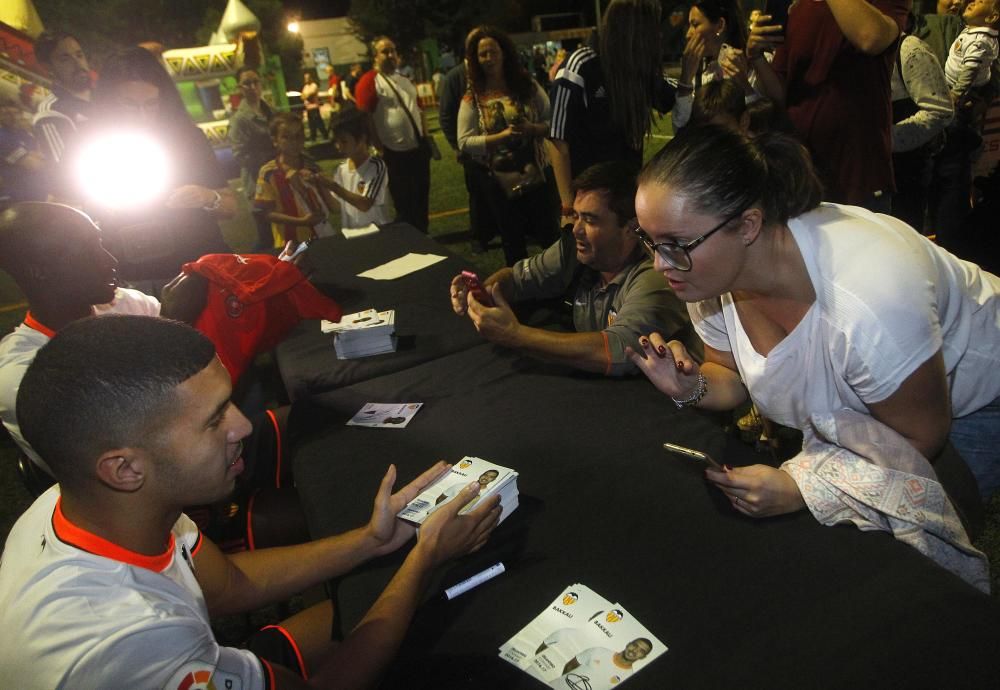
277,450
269,680
99,546
250,540
607,354
295,648
31,322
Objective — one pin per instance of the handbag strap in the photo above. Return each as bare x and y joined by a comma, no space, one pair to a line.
479,110
413,123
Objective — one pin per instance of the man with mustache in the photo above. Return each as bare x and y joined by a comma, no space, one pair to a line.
601,266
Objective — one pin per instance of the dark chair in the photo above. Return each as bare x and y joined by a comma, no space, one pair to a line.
960,485
35,479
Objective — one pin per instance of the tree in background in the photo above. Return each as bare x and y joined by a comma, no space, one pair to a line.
105,26
410,21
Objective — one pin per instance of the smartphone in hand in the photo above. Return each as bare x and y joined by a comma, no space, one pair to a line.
476,289
693,455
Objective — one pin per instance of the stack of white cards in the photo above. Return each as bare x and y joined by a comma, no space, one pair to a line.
352,233
582,640
493,479
363,334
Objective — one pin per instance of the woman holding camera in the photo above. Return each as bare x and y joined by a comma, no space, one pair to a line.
502,124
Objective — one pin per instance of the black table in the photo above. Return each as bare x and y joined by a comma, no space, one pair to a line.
782,602
426,326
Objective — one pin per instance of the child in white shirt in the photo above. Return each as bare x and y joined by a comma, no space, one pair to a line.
361,181
972,54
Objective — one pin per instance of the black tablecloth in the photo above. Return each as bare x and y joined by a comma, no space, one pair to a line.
782,602
425,324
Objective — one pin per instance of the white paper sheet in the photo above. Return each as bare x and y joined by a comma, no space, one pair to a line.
404,265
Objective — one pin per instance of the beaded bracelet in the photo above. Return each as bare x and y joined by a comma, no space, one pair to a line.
700,391
215,204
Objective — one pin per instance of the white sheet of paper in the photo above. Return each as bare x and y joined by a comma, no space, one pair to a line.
404,265
351,233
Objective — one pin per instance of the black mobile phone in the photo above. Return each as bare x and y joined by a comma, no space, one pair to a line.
693,454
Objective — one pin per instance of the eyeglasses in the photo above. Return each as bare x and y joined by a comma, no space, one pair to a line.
678,255
250,82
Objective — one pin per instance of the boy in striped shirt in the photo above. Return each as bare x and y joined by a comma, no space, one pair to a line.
361,181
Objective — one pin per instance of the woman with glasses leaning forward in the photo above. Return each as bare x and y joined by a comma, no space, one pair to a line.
812,307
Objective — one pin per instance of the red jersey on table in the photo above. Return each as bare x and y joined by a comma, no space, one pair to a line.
253,301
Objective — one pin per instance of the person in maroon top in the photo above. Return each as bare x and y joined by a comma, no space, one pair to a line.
832,72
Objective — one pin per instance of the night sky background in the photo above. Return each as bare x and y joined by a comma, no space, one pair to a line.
319,9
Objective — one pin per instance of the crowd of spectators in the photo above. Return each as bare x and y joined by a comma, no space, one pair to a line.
886,127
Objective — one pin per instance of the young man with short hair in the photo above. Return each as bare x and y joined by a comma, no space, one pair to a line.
600,667
104,582
250,135
68,106
55,255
